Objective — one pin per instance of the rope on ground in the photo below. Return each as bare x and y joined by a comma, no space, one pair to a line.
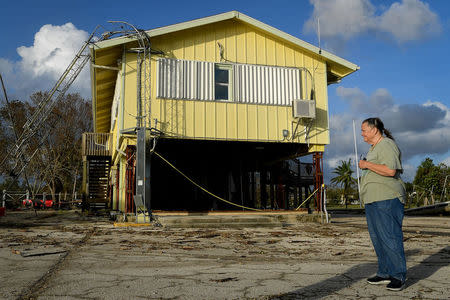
202,188
307,199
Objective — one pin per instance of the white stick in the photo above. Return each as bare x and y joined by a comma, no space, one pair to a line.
318,31
356,162
325,202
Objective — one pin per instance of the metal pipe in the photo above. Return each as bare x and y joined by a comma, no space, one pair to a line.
356,163
105,67
325,202
444,188
121,109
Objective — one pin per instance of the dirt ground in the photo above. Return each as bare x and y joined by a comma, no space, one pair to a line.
68,255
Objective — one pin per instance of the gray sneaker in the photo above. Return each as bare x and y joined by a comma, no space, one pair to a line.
378,280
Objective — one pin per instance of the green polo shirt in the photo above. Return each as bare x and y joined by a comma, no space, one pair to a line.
375,187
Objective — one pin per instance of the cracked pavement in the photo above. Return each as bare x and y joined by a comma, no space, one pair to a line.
74,256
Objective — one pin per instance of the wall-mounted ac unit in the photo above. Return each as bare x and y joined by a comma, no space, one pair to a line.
304,109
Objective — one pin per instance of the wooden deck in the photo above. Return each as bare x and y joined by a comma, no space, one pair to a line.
96,144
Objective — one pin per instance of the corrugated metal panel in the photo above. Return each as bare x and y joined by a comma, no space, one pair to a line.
266,85
194,80
185,79
205,83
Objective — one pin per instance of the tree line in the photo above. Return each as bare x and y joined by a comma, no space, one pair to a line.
56,164
430,184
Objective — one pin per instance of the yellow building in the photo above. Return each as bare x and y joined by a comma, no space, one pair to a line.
226,99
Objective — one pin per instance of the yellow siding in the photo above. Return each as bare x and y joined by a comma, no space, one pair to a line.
190,118
252,120
242,126
260,50
272,123
270,53
189,52
232,122
229,120
224,120
221,120
130,105
200,120
210,121
231,43
250,45
261,114
241,52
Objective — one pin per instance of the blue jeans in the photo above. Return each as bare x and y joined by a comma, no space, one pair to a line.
384,221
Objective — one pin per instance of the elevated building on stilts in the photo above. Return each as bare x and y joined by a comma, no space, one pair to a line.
219,108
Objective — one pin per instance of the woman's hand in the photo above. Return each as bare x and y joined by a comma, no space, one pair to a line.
382,170
362,164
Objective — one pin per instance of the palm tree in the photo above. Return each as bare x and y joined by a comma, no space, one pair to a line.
344,178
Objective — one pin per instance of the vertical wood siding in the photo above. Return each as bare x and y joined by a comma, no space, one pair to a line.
249,119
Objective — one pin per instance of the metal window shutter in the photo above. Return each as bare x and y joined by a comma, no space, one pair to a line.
184,79
266,84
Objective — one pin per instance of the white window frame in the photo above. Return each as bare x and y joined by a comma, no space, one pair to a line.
229,68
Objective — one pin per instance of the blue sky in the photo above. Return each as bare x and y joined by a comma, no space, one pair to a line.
401,46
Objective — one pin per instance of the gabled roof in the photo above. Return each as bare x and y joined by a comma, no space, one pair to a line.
244,18
109,52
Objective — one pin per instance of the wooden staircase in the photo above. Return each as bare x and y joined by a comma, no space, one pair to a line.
97,183
96,169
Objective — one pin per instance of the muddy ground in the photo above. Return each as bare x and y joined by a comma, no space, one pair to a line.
68,255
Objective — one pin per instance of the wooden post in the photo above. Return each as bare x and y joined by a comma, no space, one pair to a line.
263,182
253,189
272,189
43,200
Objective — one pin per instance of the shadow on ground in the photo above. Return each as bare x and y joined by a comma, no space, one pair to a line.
329,286
428,266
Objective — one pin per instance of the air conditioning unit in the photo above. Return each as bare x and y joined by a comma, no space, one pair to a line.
304,109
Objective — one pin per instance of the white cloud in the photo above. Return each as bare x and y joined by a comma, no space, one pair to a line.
446,161
445,121
353,96
415,118
6,67
380,100
434,141
342,143
409,171
341,20
409,20
53,49
421,130
42,63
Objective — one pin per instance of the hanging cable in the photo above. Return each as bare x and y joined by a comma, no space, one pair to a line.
202,188
307,199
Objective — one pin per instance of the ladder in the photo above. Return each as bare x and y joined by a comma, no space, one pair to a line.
20,155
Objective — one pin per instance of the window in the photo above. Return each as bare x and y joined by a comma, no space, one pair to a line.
244,83
222,82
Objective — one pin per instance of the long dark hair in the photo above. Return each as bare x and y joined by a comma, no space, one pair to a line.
376,122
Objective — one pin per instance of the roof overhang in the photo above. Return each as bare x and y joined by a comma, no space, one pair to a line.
329,57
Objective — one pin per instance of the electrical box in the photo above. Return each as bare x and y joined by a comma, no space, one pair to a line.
304,109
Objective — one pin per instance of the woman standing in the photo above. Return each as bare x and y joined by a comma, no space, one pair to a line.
383,193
